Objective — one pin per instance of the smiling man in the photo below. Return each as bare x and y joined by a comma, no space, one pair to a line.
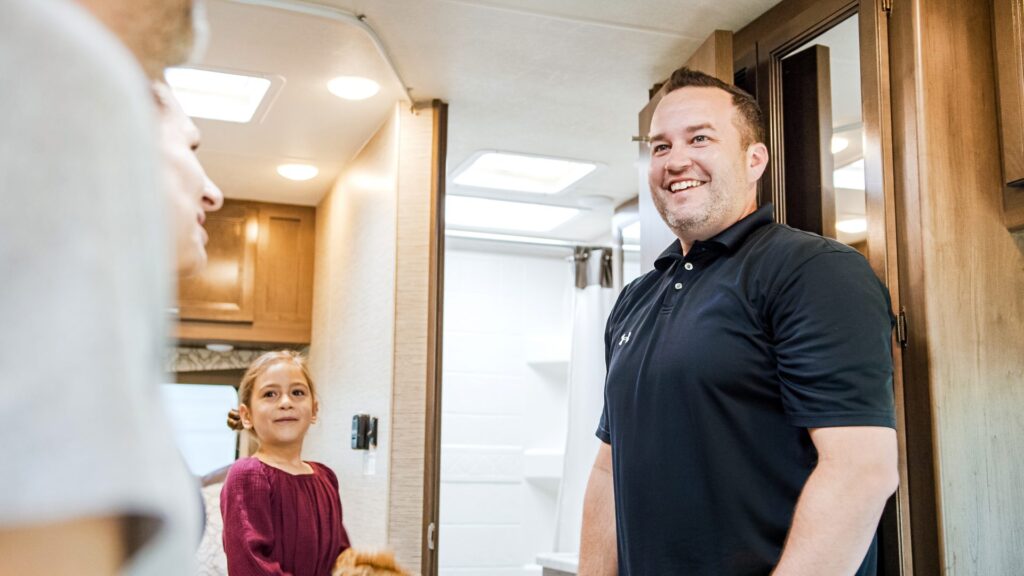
748,425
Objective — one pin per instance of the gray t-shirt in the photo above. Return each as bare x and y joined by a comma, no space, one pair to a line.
84,262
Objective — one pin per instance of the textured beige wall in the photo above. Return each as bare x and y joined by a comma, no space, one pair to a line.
370,328
412,308
351,354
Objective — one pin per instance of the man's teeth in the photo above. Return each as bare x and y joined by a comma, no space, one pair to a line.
685,184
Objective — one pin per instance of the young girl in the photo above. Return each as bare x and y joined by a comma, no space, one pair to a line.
282,515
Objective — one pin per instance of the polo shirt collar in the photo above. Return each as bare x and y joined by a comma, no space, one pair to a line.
730,239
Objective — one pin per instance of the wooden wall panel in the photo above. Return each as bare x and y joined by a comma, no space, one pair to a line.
965,283
285,263
223,292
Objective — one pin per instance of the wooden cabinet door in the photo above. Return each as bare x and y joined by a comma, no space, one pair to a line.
714,57
224,290
284,278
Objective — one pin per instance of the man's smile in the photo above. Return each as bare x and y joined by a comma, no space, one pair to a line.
685,185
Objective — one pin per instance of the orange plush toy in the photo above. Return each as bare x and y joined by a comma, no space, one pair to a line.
354,562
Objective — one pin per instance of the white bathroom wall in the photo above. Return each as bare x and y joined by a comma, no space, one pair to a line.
507,329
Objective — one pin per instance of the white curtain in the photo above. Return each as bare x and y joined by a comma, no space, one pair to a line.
592,303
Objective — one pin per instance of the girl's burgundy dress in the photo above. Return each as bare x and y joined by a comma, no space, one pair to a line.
276,523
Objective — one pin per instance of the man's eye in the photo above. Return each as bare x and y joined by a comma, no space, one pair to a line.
660,148
700,139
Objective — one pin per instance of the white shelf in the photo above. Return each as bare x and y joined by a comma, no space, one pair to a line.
543,468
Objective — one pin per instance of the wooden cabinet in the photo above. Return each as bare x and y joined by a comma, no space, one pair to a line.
258,285
1009,51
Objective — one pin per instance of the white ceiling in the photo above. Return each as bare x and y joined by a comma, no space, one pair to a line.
563,78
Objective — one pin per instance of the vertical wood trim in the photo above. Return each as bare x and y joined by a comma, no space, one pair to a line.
773,36
435,345
413,360
1008,45
807,107
882,251
920,449
1008,28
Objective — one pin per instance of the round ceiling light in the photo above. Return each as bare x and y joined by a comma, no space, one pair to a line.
353,87
298,172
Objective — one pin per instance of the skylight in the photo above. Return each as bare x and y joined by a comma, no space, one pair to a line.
484,213
217,95
521,173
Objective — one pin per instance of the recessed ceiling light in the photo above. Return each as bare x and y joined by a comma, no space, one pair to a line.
472,212
852,225
217,95
839,144
353,87
522,173
220,347
298,171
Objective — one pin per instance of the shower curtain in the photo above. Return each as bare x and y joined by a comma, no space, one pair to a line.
592,302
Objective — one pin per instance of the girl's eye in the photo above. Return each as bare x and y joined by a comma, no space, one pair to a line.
299,392
269,394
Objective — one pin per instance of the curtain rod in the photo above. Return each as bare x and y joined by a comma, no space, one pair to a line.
532,241
338,15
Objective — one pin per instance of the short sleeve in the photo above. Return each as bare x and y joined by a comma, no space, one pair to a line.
832,325
245,505
603,430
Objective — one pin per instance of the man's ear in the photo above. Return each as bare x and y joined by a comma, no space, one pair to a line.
757,161
245,416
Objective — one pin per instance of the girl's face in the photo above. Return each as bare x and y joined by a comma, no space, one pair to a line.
281,407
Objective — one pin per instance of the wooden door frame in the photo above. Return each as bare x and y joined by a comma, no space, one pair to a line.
432,433
759,47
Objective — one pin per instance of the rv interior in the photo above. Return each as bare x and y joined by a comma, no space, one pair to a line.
439,302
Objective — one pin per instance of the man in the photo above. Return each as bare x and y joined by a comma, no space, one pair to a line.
191,193
748,425
99,488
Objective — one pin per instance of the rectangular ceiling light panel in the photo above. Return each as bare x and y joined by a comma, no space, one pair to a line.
217,95
487,214
521,173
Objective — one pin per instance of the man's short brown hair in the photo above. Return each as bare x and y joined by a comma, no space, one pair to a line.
749,119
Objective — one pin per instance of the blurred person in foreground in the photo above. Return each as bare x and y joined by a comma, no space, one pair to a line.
99,488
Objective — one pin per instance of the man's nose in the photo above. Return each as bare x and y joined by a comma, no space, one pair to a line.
213,198
678,159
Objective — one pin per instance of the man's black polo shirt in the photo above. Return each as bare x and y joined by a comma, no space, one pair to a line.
718,363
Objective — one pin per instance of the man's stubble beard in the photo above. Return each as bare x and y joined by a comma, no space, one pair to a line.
714,209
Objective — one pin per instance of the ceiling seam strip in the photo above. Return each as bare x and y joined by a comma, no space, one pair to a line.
572,19
338,15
